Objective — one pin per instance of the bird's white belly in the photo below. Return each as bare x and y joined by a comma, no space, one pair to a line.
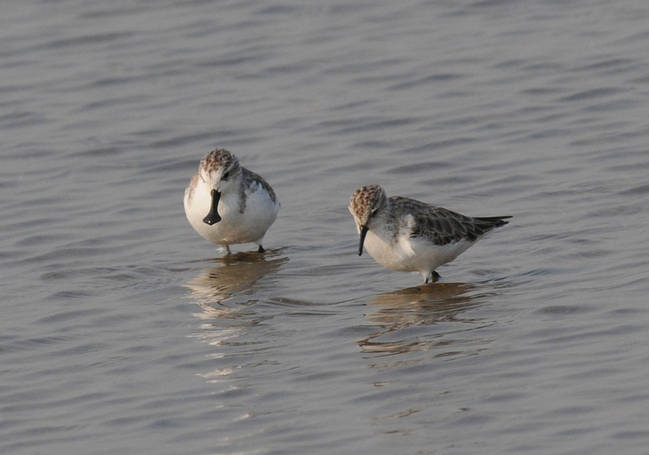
235,226
388,253
411,254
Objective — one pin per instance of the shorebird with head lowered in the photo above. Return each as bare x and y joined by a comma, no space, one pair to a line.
228,204
409,235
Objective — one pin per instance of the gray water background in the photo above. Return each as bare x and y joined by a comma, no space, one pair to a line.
123,331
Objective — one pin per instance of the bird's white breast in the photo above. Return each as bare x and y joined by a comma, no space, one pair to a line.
235,226
402,252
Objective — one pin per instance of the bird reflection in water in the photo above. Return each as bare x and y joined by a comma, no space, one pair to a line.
225,293
421,318
236,278
237,274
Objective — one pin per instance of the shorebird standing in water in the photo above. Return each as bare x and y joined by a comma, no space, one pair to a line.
228,204
409,235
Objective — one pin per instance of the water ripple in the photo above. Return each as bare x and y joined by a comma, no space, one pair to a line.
119,322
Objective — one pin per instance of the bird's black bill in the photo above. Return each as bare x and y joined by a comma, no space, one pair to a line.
363,234
213,217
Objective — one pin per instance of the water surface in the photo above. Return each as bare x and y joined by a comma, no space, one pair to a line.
122,331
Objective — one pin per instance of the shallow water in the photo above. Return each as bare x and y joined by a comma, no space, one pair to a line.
122,331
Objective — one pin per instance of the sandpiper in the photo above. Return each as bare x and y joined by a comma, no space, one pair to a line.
409,235
228,204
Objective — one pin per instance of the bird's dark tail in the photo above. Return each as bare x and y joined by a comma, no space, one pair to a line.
487,223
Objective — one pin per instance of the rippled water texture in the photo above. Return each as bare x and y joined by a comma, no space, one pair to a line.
122,331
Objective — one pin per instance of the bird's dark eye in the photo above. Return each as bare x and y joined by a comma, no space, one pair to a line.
225,176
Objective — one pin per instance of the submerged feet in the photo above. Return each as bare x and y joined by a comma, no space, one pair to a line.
229,251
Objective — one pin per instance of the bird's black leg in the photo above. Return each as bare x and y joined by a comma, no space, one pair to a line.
261,249
432,277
